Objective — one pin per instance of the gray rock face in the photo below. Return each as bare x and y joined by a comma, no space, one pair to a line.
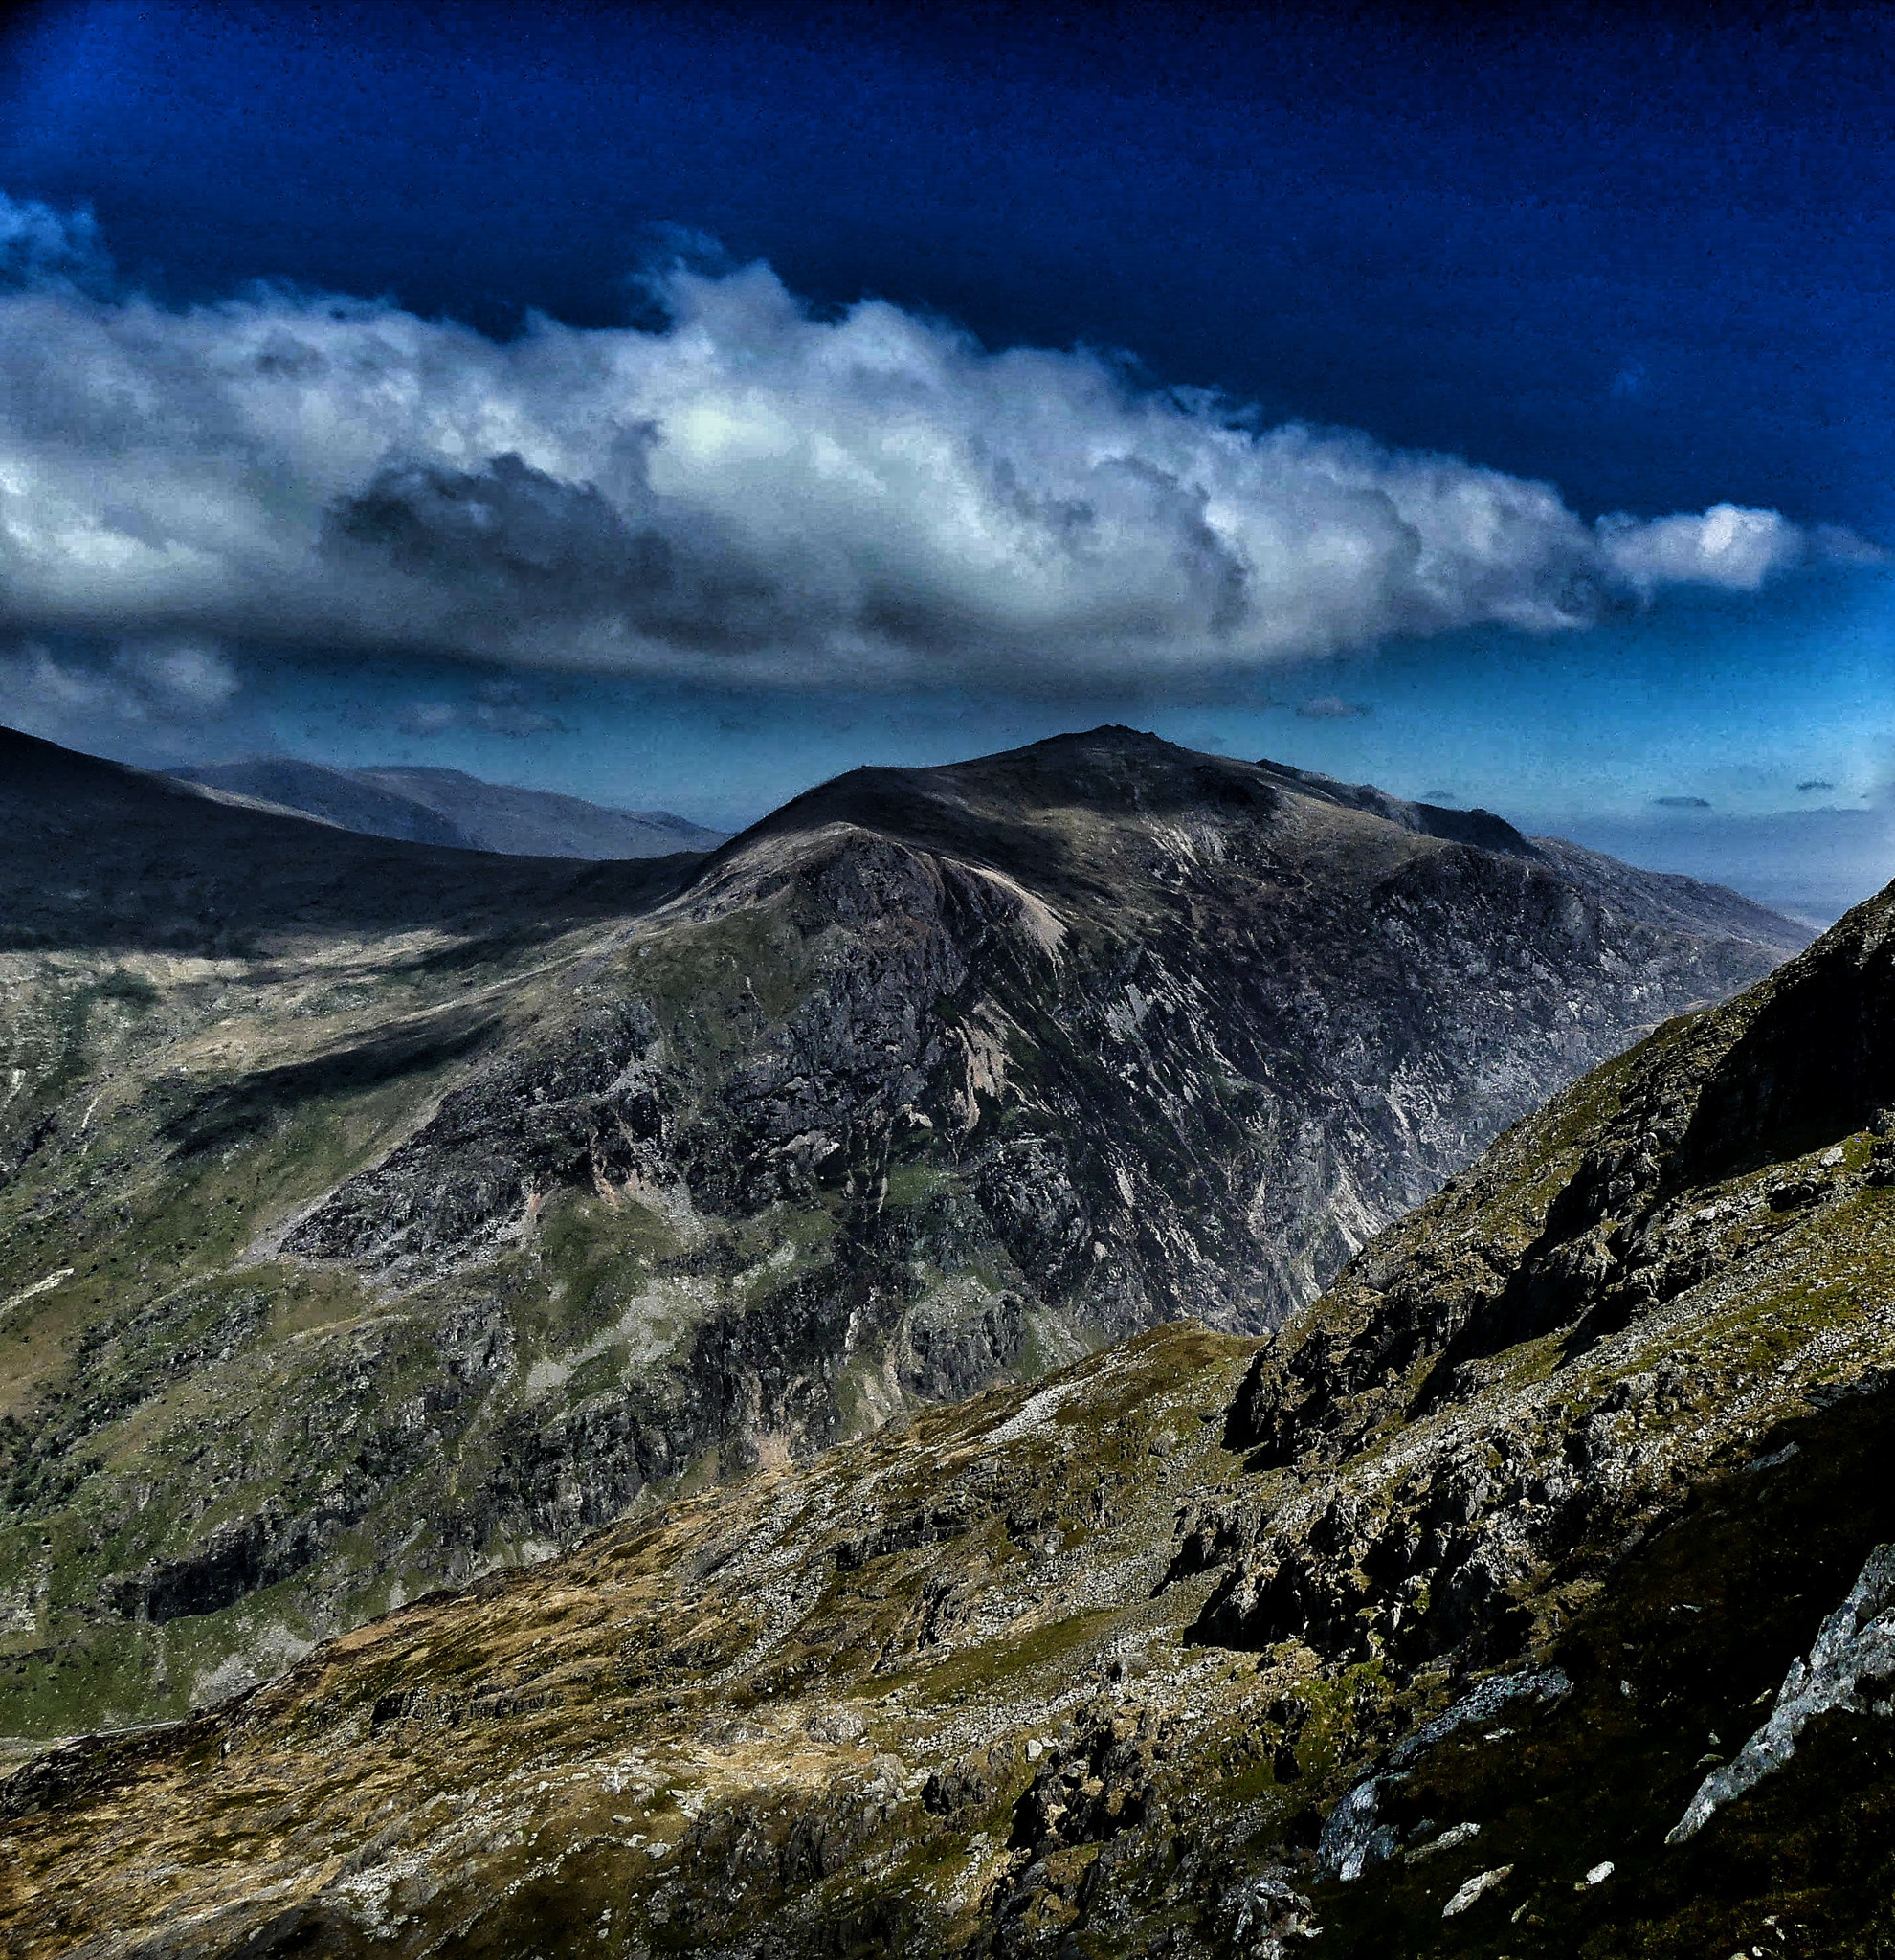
1854,1655
1544,1355
1662,897
1354,1836
1173,1037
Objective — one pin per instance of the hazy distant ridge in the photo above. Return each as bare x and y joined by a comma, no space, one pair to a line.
435,806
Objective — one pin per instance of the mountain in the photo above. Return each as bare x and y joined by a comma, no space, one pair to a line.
375,1215
110,864
1529,1591
430,805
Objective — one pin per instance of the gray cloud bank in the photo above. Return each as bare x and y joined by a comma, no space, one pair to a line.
751,493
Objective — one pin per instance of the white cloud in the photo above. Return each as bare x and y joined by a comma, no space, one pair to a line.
1725,546
183,678
429,717
499,707
751,493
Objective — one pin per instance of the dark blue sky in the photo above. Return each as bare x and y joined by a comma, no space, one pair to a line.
1643,259
1646,261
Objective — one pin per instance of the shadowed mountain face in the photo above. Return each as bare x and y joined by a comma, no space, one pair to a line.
101,860
373,1214
434,805
1530,1591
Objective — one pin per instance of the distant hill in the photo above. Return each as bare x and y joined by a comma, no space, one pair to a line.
428,806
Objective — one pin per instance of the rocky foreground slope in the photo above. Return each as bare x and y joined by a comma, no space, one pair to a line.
1529,1593
373,1216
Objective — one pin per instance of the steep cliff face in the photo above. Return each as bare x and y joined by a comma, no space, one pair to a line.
1528,1593
1710,1203
1176,1034
376,1213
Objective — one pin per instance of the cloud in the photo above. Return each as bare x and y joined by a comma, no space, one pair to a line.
499,707
155,690
1814,783
744,491
1681,801
1330,707
1726,547
1845,547
43,247
429,717
182,679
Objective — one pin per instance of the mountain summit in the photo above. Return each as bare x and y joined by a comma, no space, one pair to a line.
375,1214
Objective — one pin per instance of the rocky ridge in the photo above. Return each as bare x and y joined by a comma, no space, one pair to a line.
374,1216
1525,1592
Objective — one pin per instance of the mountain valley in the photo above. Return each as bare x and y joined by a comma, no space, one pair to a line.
378,1216
1528,1592
943,1327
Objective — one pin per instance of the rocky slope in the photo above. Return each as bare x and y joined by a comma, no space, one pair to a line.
373,1215
1530,1591
435,806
